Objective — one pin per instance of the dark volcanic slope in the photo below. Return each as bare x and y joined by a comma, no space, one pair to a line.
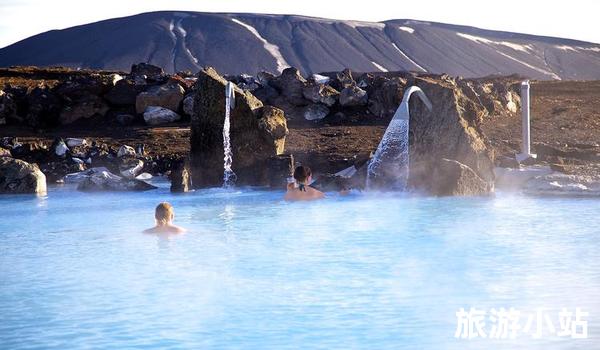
247,43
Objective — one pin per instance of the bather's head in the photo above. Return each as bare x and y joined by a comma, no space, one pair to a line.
164,214
303,175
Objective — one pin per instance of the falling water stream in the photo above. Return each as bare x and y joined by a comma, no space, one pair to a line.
390,161
229,176
389,166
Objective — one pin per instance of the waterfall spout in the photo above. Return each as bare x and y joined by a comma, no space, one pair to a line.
389,166
228,174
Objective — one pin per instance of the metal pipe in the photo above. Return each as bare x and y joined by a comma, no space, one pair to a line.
525,124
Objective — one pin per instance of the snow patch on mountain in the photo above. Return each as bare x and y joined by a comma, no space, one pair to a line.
480,40
380,67
408,58
407,29
594,49
537,69
271,48
183,33
565,48
357,24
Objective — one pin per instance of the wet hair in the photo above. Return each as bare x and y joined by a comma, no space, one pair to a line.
163,213
301,174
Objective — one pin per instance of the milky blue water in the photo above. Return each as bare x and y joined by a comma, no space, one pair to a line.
358,272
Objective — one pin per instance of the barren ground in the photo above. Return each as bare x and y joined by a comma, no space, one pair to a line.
565,114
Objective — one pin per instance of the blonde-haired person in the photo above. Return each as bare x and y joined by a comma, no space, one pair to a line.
164,216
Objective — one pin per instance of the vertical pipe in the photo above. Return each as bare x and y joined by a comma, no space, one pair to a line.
525,124
526,118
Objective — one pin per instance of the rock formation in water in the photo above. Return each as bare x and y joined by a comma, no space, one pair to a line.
17,176
257,133
449,132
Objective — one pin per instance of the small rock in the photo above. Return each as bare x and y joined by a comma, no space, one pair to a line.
315,112
144,176
188,105
115,78
125,150
73,142
181,179
82,175
148,71
320,93
60,148
159,115
320,79
507,162
265,78
106,181
343,80
5,152
563,185
131,168
353,96
561,168
125,119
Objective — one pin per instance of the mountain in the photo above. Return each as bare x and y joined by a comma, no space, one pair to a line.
249,43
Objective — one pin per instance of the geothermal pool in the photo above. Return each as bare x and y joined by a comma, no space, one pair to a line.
356,272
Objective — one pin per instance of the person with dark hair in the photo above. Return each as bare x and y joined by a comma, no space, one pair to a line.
164,215
302,191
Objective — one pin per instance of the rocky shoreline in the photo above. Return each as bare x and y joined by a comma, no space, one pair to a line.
133,123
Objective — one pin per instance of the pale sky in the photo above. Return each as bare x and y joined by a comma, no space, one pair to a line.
574,19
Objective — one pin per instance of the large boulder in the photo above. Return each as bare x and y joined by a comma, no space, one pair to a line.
386,96
145,71
452,178
81,86
8,107
257,133
43,108
17,176
342,80
124,93
84,108
499,97
321,93
451,130
291,86
167,96
159,115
